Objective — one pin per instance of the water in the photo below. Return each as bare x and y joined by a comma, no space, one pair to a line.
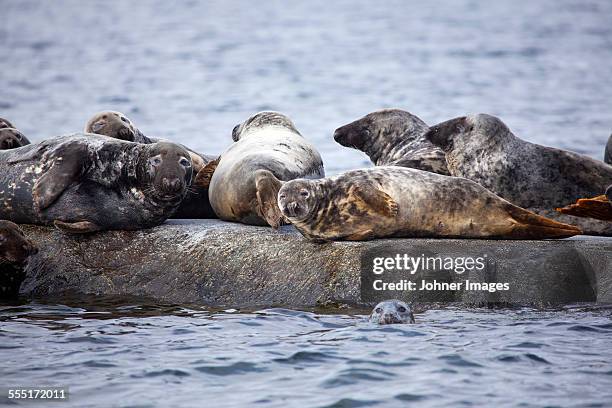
190,71
153,356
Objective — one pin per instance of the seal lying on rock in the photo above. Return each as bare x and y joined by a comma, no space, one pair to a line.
119,126
392,312
268,149
83,183
15,250
393,137
599,207
482,148
11,138
401,202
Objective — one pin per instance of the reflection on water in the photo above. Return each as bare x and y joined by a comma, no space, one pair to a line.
175,356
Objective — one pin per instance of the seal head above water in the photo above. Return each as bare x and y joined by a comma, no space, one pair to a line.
392,312
393,137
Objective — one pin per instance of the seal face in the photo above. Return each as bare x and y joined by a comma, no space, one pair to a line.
391,201
11,138
393,137
118,126
483,149
15,250
608,152
392,312
85,183
267,150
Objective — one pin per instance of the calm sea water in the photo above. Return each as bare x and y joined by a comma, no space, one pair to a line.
190,71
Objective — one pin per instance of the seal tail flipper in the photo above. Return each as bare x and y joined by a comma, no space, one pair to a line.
79,227
204,176
267,186
598,207
374,200
528,225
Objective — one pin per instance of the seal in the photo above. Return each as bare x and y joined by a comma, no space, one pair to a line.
392,312
4,123
483,149
267,150
118,126
391,201
393,137
608,152
15,251
83,183
11,138
599,207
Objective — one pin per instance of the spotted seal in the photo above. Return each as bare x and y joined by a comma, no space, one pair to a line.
539,178
392,312
391,201
83,183
15,250
117,125
11,138
267,150
393,137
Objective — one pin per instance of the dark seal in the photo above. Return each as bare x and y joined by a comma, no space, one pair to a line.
392,312
84,183
483,149
392,201
393,137
118,126
608,152
15,251
11,138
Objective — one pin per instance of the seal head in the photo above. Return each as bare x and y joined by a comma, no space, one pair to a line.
168,169
15,248
392,312
113,124
260,120
297,199
11,138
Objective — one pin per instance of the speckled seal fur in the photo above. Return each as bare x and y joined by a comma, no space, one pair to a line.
117,125
392,312
483,149
84,183
15,251
391,201
393,137
267,150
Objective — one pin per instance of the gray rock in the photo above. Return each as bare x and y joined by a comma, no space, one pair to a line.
216,263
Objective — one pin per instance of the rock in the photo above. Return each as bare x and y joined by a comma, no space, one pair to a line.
211,262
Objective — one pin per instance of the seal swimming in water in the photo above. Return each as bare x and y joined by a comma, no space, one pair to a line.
483,149
393,201
392,312
15,250
11,138
118,126
608,152
267,150
393,137
84,183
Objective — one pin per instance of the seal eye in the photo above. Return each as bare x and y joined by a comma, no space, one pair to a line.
155,161
304,193
18,136
123,119
184,162
282,196
379,310
401,309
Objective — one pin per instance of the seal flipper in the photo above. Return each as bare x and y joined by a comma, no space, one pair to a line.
267,186
69,163
598,207
79,227
204,176
528,225
375,200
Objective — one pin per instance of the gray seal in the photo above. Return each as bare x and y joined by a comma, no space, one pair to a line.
15,251
11,138
608,152
483,149
392,312
118,126
267,150
393,137
391,201
84,183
